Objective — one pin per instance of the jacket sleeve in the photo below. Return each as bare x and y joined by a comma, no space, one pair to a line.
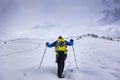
69,43
52,44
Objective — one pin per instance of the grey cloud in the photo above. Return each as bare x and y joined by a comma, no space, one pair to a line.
46,26
24,14
112,13
116,1
111,16
8,10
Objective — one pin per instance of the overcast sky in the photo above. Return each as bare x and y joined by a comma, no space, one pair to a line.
50,17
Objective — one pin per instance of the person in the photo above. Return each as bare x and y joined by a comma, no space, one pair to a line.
61,53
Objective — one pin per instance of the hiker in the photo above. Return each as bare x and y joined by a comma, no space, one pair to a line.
61,53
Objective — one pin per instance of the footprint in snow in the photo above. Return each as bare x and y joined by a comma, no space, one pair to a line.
68,73
116,70
103,67
116,75
25,74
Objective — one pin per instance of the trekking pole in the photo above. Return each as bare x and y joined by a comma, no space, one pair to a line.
75,57
42,58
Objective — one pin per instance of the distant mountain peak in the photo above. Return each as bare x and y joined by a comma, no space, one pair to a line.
112,29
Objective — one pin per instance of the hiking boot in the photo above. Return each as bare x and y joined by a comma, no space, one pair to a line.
60,76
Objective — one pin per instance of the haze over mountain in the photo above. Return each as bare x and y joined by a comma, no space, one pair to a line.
48,18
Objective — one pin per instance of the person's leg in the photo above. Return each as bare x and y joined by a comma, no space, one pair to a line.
59,70
60,64
63,61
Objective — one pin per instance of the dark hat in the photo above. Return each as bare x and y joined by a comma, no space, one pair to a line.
59,37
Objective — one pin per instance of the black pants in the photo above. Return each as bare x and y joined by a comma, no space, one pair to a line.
60,58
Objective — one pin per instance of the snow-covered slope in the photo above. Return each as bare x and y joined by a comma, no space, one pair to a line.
97,59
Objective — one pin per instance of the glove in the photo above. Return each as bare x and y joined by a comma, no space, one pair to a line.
47,44
71,40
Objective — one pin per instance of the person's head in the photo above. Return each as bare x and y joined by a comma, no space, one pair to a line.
60,38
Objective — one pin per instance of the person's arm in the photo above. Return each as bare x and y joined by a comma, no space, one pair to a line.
51,45
70,43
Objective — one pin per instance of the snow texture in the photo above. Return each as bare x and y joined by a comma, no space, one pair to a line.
97,59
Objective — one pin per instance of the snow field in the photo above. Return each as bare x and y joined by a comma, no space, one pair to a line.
96,58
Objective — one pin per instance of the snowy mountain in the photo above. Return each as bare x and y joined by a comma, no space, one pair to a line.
97,59
116,32
5,36
111,30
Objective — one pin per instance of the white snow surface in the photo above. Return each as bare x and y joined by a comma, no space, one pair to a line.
97,59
